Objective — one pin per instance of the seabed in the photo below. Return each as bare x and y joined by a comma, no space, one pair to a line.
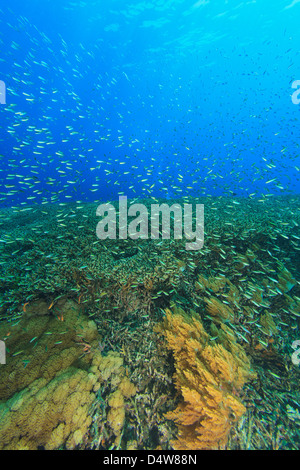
87,365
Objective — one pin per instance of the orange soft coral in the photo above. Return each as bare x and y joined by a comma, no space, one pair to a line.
208,376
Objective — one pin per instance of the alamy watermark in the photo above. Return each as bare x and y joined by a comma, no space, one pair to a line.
296,94
152,225
296,354
2,92
2,353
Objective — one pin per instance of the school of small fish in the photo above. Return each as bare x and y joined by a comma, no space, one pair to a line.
90,117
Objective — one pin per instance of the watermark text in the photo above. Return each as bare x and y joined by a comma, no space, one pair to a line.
2,353
152,225
296,94
2,92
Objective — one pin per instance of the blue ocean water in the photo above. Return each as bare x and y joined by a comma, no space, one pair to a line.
148,98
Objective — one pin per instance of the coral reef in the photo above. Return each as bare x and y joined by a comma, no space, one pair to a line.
53,280
43,345
121,388
53,373
48,415
209,377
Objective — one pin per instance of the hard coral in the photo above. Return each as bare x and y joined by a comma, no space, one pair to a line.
112,370
48,383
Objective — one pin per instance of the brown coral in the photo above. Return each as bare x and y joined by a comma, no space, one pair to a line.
208,376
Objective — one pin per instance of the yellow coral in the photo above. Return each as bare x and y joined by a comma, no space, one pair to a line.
49,382
116,414
46,387
48,423
112,368
208,376
127,388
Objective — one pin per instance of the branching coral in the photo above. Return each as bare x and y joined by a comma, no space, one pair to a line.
208,376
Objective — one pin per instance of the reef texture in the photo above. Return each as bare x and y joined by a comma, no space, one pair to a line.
54,372
208,377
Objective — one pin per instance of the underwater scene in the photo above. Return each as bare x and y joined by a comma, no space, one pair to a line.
150,226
